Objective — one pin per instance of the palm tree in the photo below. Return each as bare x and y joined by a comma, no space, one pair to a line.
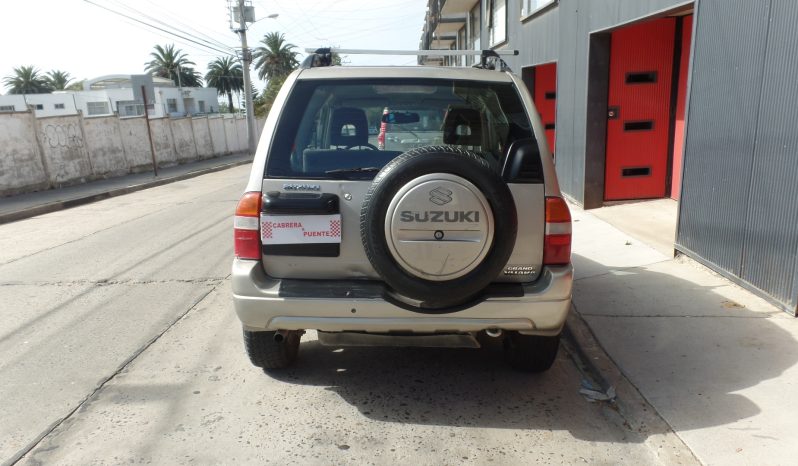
276,58
168,62
227,76
58,80
76,86
189,77
26,80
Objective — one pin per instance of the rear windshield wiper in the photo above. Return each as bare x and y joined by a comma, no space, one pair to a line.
351,171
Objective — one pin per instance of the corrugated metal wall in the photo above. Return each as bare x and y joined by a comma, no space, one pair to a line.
720,136
739,208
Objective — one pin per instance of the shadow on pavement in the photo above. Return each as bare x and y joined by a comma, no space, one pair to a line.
680,335
454,387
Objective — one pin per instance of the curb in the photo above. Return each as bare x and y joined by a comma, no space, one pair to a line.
89,198
637,413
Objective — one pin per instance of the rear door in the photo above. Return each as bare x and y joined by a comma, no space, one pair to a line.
321,164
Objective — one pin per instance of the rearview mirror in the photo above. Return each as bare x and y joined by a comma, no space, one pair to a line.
401,117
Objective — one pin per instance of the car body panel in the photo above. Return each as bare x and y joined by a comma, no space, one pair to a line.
352,261
262,303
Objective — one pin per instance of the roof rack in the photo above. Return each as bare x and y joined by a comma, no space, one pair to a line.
489,59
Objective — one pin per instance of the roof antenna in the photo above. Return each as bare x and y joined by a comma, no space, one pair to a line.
490,60
321,57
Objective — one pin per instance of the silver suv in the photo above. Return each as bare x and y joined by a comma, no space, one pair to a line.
445,228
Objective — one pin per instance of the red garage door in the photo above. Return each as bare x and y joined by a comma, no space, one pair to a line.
545,95
678,125
641,64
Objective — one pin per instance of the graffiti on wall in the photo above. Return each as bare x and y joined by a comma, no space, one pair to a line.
65,152
67,135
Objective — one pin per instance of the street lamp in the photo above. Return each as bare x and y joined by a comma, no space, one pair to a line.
271,16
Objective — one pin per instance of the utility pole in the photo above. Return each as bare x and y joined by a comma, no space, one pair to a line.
149,131
246,59
179,81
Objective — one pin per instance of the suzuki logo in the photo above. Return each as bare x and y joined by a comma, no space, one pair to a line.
440,196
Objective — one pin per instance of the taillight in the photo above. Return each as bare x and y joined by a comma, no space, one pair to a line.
246,226
557,242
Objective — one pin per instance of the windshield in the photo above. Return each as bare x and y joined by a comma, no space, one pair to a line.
355,127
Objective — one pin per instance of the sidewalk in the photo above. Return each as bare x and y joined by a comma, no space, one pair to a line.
22,206
715,361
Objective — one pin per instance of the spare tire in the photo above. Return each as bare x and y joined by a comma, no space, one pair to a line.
438,225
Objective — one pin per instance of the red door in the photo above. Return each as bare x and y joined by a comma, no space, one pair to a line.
678,124
546,98
641,64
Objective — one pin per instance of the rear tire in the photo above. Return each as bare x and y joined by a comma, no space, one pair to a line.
265,352
531,353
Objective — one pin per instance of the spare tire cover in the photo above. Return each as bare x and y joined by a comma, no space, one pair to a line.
438,225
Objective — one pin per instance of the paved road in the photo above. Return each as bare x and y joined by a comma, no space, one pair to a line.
118,344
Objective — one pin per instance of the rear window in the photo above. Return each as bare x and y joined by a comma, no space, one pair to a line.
328,126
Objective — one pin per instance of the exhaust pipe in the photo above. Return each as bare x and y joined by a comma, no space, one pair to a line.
493,332
279,337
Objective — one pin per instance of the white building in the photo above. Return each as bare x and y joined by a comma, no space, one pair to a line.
113,94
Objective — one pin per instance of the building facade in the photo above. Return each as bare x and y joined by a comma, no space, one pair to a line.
114,94
692,100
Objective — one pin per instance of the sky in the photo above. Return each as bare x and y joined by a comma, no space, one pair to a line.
87,41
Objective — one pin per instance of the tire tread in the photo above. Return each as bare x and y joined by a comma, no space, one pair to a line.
531,353
266,353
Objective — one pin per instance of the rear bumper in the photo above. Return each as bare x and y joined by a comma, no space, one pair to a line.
265,303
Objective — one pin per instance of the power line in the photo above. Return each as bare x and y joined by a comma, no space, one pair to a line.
174,17
196,51
211,42
226,52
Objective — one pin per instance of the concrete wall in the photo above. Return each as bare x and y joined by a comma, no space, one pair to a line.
21,162
218,139
63,145
162,138
183,138
202,137
133,133
42,153
241,130
231,134
105,148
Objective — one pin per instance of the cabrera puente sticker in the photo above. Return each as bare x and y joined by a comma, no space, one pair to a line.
300,229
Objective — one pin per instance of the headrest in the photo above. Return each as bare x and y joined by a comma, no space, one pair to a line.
463,127
349,127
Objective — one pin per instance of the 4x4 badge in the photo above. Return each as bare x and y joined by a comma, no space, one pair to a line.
440,196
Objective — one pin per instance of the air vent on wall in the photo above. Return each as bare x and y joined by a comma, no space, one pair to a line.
641,77
636,171
646,125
